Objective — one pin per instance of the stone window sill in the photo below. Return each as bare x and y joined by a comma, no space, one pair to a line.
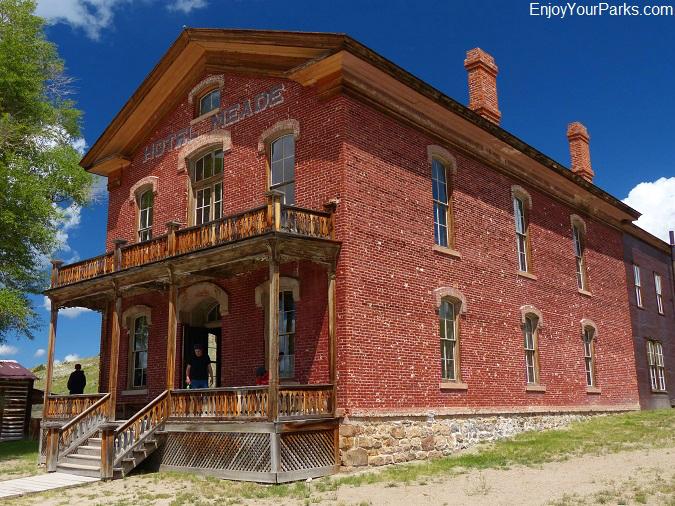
659,392
135,392
453,385
204,116
447,251
593,390
528,275
535,388
586,293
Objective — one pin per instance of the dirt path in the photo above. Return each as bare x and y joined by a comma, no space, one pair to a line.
640,477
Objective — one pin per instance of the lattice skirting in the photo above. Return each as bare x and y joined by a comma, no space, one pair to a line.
306,450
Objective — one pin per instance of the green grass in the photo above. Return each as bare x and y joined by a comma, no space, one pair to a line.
62,373
18,459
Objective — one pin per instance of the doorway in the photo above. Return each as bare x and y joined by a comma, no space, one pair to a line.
209,338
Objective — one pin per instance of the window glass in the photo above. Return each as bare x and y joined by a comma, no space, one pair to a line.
140,351
638,286
448,332
209,102
441,202
282,167
659,295
145,206
531,350
657,370
579,254
521,233
286,335
588,357
208,193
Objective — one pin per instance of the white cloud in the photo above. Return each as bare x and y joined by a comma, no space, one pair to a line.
185,6
71,358
94,16
68,312
7,350
656,202
57,361
40,353
80,145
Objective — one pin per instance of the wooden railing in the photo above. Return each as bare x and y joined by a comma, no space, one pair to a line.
137,429
221,403
75,432
145,252
274,217
67,407
305,400
86,269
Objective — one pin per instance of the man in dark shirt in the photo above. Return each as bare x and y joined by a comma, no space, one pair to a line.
199,365
77,381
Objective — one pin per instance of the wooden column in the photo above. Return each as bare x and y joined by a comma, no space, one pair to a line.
273,326
332,338
104,351
274,209
114,354
50,354
171,334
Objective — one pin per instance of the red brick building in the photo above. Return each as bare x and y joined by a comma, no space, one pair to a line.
438,280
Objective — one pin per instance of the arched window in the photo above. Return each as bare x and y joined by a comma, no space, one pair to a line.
657,369
146,201
210,101
282,167
207,187
214,314
139,352
449,328
589,355
579,239
530,331
442,195
521,211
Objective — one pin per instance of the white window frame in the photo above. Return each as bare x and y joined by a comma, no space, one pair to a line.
448,316
530,331
212,107
145,215
281,164
638,285
134,352
657,369
579,249
208,190
589,356
442,198
659,292
522,229
286,336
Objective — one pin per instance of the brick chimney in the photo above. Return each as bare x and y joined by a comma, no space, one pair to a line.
579,151
482,84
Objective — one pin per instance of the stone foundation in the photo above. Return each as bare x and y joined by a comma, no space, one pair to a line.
379,441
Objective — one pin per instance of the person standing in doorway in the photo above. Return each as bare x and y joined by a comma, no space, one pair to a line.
199,369
77,381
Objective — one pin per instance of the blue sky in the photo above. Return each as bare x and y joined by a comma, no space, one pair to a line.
614,74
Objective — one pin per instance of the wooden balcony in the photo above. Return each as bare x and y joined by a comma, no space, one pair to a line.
189,249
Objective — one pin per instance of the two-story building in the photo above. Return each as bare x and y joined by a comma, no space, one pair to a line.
411,276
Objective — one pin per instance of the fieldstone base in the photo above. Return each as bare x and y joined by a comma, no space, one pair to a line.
379,441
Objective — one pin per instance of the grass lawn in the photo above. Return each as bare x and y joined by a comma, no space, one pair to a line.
18,459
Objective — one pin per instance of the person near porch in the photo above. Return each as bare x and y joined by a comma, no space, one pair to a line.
262,376
199,369
77,381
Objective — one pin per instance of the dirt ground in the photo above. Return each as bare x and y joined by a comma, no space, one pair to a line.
639,477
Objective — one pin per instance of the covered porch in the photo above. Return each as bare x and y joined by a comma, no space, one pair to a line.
282,431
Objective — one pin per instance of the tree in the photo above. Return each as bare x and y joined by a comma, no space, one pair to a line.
39,171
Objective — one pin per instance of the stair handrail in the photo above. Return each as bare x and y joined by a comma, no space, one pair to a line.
80,428
139,427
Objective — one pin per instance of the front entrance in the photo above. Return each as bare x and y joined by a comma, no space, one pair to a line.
209,338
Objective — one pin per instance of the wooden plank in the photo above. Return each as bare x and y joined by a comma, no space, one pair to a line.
332,339
223,473
306,425
53,319
114,355
171,337
273,330
275,453
230,427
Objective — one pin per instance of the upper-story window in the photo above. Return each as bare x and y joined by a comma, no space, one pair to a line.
442,195
657,369
210,101
659,293
447,313
531,349
579,246
145,206
207,185
589,355
139,352
520,212
638,285
282,167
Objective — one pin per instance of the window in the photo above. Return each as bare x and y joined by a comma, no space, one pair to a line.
638,286
145,205
214,315
209,102
657,370
589,356
531,354
282,167
447,313
659,295
286,335
139,352
442,195
208,187
522,231
579,254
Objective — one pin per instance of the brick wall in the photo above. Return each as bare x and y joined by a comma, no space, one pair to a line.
647,322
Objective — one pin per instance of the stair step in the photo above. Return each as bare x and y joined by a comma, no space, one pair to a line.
79,469
94,441
87,460
89,450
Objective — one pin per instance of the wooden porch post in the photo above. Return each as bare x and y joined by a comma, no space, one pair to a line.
273,326
332,338
114,354
171,334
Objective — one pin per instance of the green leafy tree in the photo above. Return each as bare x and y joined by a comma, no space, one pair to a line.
39,171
